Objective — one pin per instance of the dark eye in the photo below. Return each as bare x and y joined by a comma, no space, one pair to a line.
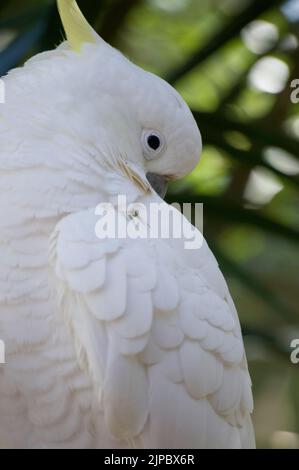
154,142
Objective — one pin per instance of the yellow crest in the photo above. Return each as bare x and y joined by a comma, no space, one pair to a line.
78,30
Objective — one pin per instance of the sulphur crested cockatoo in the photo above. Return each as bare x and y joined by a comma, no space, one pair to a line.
113,342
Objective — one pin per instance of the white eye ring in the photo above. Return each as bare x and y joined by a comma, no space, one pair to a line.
153,144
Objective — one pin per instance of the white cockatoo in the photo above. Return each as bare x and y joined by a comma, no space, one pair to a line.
110,342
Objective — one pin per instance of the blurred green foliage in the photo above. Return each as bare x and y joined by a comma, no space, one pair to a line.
233,61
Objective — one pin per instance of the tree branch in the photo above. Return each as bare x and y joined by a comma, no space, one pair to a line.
114,19
257,287
256,133
229,212
228,32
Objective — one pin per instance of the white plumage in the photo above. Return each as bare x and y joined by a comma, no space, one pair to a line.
110,343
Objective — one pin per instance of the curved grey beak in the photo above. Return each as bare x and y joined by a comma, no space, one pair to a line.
158,183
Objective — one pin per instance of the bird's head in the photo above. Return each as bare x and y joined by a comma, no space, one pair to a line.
145,120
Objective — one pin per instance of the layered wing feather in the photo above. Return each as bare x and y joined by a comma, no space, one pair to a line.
158,334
